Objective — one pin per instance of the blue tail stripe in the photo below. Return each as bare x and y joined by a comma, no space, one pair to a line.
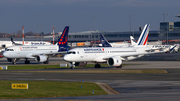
104,41
143,38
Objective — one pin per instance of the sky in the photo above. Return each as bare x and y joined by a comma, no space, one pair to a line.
85,15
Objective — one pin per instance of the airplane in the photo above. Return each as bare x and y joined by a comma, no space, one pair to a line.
112,55
156,47
40,53
5,44
142,40
105,43
133,41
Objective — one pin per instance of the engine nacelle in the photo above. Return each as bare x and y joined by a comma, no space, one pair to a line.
114,61
3,46
41,58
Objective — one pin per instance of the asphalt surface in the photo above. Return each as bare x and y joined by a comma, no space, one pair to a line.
133,87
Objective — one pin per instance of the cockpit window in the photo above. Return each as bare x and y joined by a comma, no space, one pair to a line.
9,50
71,52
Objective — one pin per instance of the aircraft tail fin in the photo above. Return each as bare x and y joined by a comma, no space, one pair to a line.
104,42
14,42
62,41
142,41
172,48
133,41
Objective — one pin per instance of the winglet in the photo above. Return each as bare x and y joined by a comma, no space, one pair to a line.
142,41
104,42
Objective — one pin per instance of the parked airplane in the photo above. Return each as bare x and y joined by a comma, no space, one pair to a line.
39,52
112,55
5,44
105,43
133,41
142,39
156,47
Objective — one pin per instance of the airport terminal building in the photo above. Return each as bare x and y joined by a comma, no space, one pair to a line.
168,31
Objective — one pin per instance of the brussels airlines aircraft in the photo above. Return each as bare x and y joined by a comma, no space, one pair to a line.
5,44
112,55
39,52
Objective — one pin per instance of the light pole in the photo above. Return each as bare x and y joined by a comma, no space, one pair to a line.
132,16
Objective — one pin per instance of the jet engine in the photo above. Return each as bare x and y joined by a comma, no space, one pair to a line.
3,46
114,61
41,58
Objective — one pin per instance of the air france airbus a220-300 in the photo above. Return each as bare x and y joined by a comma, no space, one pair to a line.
39,52
112,55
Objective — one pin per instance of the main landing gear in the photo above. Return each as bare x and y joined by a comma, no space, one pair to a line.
27,61
47,61
119,66
97,65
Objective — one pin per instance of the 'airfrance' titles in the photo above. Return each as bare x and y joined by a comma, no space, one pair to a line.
94,49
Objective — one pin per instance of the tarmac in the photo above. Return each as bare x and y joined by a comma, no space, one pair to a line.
120,86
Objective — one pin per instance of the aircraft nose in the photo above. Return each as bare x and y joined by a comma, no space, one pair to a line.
4,54
67,58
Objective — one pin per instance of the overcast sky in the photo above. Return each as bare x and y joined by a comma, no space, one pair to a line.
84,15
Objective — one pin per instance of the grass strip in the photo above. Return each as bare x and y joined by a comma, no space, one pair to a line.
21,67
153,71
44,89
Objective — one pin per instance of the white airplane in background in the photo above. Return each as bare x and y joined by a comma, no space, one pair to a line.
133,41
5,44
142,39
156,47
105,43
112,55
39,52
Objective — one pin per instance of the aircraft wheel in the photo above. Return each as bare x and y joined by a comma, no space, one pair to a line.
119,66
97,66
27,62
14,62
46,62
72,67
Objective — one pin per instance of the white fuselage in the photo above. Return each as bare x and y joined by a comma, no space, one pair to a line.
29,50
164,47
9,43
118,44
99,54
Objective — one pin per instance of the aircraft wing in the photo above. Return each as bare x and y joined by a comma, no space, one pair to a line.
136,54
133,54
